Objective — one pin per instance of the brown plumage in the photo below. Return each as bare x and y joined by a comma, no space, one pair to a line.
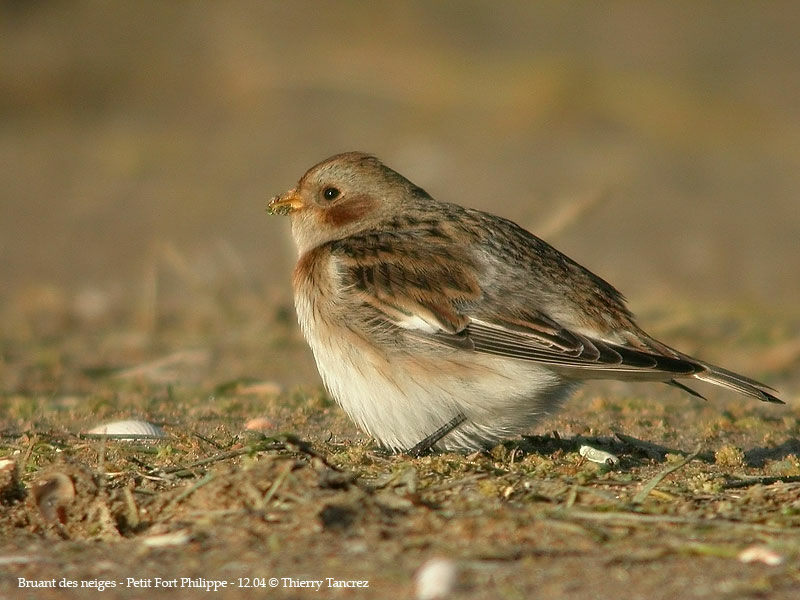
435,324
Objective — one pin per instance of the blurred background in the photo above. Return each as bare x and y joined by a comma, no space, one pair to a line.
656,143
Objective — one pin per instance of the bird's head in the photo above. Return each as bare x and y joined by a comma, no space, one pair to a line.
341,196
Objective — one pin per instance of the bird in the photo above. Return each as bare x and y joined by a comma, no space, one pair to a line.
437,327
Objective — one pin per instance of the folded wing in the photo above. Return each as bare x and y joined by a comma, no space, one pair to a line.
429,287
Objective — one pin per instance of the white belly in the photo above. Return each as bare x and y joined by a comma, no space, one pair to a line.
401,397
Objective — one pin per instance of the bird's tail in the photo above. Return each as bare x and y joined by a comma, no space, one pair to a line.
737,383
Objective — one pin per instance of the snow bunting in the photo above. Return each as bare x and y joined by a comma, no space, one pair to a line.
438,326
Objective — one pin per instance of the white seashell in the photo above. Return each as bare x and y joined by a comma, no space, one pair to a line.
435,579
127,430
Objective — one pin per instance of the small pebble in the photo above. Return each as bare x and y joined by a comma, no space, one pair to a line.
174,538
435,579
259,424
598,456
760,554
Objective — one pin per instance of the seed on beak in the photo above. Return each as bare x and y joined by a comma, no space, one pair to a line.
275,208
284,204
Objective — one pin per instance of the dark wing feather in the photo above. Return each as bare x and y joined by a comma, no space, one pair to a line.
564,349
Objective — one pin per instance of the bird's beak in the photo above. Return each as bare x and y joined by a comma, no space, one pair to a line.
285,203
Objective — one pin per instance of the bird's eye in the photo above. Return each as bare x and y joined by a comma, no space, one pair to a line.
330,193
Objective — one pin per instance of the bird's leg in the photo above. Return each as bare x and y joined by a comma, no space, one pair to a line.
425,446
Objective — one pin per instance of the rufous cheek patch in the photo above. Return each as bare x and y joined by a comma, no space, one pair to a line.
348,210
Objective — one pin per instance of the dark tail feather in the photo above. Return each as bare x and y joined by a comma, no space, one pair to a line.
738,383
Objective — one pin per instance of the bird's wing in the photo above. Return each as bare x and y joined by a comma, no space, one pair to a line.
412,285
432,290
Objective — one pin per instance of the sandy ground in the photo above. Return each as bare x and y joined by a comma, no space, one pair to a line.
140,141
